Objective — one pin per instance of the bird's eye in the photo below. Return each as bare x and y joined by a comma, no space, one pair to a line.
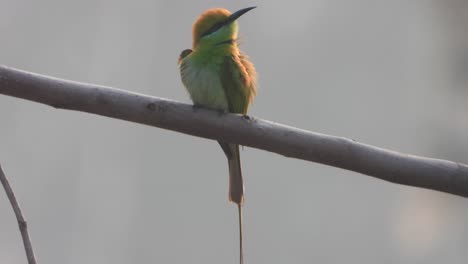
214,28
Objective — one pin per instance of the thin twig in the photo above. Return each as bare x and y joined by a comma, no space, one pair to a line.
23,227
392,166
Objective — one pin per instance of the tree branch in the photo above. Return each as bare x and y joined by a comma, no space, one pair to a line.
435,174
19,217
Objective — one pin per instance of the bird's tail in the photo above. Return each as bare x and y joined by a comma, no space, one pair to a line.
236,185
236,190
236,182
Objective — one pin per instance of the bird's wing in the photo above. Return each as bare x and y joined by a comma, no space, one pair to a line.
238,81
184,66
184,54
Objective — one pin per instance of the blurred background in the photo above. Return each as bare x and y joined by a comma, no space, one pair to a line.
393,74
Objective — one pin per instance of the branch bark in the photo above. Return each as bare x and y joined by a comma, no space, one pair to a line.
442,175
23,226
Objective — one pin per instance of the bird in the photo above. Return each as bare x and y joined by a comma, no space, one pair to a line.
218,76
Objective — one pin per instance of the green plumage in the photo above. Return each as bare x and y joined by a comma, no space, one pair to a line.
236,80
222,82
218,76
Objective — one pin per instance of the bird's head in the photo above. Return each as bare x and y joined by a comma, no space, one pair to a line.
215,26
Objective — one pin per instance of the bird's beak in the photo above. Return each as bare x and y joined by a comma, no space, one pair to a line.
237,14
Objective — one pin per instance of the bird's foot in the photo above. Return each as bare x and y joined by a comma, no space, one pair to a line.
246,117
220,112
195,107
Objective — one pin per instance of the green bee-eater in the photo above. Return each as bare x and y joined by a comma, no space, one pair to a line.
218,76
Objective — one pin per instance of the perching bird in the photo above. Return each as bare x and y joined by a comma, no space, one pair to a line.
218,76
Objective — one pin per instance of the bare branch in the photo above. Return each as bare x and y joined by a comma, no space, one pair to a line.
441,175
19,217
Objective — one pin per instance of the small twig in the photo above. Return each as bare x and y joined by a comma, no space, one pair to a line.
19,217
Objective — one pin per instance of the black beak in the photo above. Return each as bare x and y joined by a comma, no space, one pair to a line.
237,14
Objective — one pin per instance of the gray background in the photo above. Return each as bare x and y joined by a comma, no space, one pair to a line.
96,190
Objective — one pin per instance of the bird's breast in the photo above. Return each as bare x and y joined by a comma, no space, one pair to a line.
203,83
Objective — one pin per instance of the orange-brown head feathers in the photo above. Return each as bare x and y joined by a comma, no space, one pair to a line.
216,25
207,21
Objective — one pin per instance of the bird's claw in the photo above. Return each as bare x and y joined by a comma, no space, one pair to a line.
195,107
